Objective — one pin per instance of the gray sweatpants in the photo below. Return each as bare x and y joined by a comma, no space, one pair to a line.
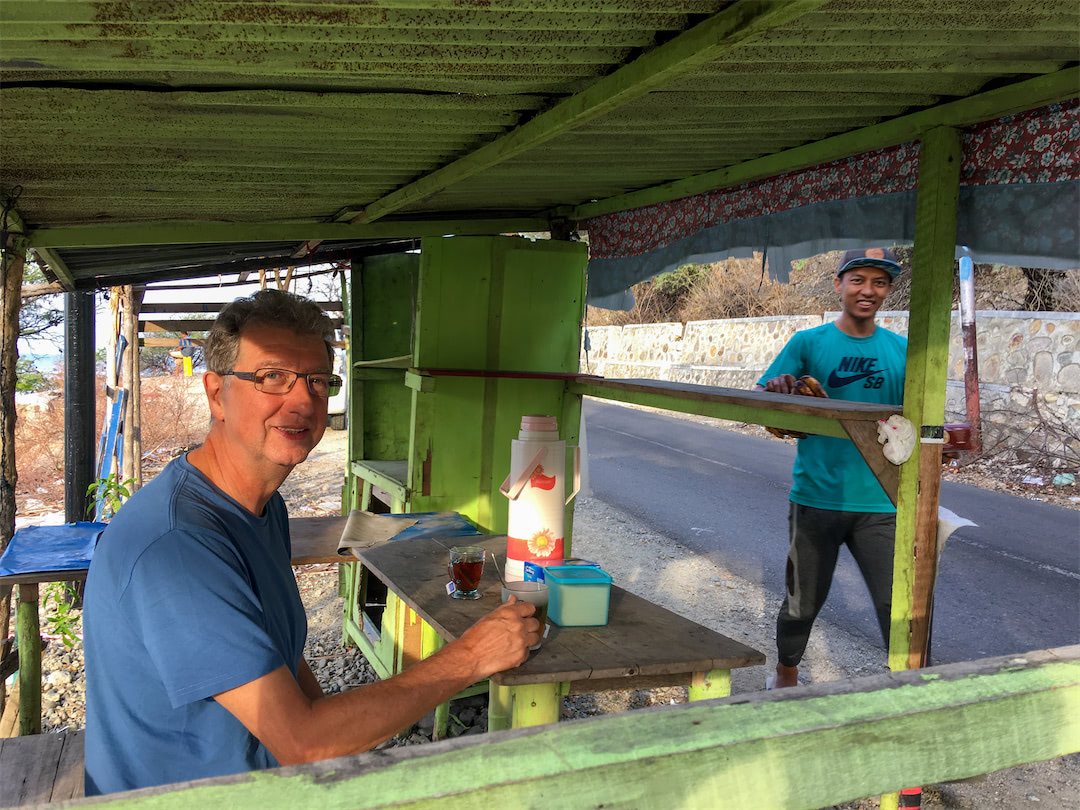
816,538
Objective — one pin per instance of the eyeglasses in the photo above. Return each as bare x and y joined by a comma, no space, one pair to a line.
281,381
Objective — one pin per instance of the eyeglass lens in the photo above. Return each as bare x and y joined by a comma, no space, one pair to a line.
280,381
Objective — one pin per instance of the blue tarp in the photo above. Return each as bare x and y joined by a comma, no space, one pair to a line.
51,548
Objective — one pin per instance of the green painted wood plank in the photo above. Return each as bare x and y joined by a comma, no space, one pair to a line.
388,307
751,407
315,81
956,16
36,101
962,57
657,67
269,57
572,17
181,233
806,748
497,304
899,42
424,31
985,106
933,269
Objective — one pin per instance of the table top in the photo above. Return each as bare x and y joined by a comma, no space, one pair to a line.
314,540
640,638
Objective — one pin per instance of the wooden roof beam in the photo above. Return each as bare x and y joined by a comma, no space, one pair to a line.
986,106
193,233
688,51
58,267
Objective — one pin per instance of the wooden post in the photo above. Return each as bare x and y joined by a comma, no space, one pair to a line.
355,399
28,633
130,301
112,371
715,683
915,561
13,259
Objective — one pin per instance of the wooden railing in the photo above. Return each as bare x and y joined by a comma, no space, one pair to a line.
806,747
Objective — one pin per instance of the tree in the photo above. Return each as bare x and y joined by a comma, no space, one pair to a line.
39,315
30,378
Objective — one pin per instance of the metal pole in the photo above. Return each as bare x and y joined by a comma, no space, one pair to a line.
971,352
79,403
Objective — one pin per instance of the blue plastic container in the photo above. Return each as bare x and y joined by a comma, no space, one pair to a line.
577,595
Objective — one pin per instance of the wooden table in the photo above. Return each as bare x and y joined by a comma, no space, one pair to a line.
642,646
314,540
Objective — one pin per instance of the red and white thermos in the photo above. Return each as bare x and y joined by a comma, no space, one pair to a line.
536,486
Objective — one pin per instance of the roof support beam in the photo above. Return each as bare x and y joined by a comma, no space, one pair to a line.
1026,95
191,233
660,66
58,268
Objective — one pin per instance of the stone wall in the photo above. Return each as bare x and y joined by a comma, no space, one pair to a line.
1029,366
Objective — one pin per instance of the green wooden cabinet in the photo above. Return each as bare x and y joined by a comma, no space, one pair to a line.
475,304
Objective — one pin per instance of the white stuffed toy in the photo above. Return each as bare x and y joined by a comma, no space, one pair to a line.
898,436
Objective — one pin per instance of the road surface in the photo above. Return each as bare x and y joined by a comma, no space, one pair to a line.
1009,585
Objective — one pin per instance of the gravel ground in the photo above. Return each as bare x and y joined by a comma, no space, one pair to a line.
642,561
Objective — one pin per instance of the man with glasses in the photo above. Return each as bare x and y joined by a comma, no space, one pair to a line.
194,626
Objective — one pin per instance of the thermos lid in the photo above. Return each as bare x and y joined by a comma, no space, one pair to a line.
539,423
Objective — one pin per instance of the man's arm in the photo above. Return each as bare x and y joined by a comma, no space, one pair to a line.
297,727
309,684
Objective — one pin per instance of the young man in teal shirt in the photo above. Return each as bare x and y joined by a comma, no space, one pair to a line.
835,498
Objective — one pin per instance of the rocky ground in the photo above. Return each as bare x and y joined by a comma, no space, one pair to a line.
643,561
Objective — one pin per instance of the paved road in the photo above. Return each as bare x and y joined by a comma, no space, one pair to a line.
1009,585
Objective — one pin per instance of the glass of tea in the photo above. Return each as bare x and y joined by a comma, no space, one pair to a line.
466,566
535,593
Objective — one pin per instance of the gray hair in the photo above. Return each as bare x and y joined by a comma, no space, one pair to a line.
264,308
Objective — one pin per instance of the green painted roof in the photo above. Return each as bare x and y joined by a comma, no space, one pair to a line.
398,111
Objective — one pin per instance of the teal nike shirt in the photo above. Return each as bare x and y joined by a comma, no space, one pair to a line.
829,473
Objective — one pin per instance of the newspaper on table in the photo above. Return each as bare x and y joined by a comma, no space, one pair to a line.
363,530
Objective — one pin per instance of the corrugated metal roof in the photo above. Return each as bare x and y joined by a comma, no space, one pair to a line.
254,112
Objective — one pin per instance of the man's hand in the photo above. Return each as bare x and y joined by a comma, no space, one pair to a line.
784,384
501,640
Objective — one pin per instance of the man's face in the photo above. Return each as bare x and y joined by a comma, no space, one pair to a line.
862,291
270,431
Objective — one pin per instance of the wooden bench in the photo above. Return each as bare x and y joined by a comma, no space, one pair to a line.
41,768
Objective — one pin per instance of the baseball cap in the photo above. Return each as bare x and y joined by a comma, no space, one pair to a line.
882,258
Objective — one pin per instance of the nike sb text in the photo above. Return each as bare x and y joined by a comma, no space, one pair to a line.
859,367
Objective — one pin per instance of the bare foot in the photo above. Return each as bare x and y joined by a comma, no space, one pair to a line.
786,676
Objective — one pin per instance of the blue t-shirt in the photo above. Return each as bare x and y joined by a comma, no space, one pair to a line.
829,473
188,595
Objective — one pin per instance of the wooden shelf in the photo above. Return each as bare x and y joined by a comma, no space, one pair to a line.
823,417
400,362
378,374
391,475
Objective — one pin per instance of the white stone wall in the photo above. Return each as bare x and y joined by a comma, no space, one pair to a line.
1029,365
